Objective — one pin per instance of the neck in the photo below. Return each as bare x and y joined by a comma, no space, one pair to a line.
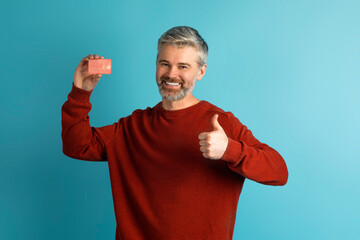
186,102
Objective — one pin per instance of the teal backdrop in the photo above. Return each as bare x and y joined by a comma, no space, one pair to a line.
289,70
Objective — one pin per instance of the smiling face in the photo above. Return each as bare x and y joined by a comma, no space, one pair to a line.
177,71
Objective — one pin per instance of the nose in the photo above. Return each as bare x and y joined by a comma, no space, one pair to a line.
173,72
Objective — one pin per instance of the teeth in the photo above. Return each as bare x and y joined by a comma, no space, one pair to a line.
172,84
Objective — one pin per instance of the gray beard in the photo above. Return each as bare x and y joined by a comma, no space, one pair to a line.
170,96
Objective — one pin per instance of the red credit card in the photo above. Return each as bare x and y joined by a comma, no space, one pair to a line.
99,66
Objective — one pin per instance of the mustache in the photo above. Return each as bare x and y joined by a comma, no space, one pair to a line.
171,80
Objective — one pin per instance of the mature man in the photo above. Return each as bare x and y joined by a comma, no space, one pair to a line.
176,169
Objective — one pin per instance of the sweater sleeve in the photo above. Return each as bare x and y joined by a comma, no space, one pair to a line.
80,140
253,159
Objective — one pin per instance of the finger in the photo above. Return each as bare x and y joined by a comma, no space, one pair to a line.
96,56
102,57
203,143
206,155
203,149
203,136
215,123
97,77
84,60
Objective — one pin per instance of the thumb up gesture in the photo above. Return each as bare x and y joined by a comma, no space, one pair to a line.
213,144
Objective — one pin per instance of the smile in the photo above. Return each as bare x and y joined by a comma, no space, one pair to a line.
172,84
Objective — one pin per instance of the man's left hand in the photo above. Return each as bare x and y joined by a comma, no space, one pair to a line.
213,144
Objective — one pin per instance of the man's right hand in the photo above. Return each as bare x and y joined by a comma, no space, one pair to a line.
84,80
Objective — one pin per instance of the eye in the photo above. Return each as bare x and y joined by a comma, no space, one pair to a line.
183,67
164,64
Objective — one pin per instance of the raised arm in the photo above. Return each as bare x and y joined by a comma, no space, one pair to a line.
80,140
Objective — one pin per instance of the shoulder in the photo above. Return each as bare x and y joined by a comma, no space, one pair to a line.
213,109
139,115
146,111
227,119
138,112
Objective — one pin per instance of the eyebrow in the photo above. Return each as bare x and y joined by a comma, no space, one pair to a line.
165,61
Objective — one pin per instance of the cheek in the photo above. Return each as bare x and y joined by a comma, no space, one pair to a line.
159,73
189,77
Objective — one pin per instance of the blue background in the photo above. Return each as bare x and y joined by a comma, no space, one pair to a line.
289,70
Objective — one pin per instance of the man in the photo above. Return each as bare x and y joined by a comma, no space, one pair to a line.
176,169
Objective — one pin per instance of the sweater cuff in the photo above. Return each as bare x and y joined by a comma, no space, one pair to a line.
232,152
79,94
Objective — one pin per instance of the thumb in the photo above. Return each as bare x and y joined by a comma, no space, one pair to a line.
215,123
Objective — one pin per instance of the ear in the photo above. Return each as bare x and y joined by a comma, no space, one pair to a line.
202,72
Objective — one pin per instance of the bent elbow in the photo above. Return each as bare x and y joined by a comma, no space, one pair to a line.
278,177
282,177
282,172
283,180
67,152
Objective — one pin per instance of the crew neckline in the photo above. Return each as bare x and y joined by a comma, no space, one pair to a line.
160,108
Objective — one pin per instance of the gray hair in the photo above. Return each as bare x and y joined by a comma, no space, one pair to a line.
185,36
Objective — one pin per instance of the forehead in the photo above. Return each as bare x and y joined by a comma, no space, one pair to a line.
177,53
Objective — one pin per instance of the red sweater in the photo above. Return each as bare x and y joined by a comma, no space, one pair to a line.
162,186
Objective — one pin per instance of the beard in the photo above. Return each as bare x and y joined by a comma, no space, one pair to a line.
172,94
